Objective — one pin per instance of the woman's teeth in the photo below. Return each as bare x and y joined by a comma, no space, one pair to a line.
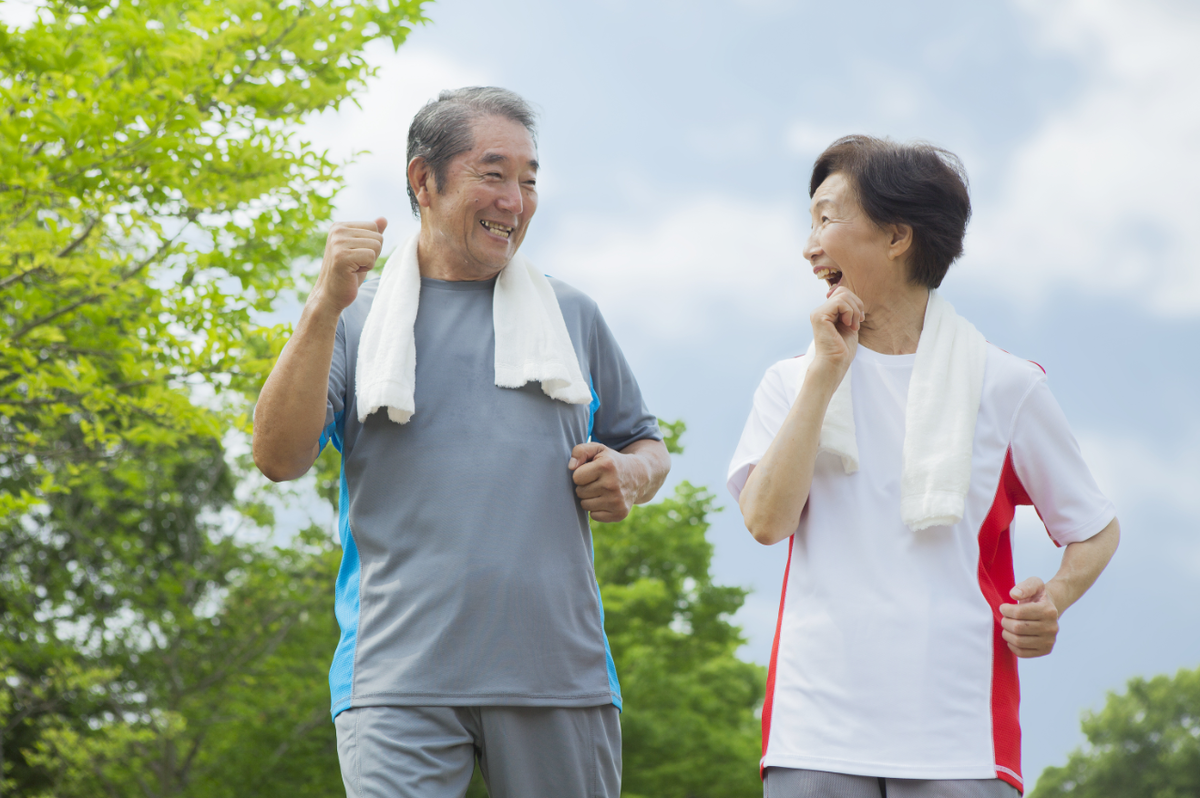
831,275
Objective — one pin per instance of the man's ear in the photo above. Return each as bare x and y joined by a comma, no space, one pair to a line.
422,181
901,242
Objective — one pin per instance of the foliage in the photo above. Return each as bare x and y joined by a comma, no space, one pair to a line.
163,656
1144,743
153,198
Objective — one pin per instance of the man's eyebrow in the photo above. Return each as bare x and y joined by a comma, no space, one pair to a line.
496,157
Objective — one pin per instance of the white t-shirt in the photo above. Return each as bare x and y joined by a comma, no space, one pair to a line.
888,659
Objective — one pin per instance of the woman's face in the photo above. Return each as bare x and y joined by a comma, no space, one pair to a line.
845,246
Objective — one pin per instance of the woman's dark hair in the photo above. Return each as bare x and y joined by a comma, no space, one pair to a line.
442,128
918,184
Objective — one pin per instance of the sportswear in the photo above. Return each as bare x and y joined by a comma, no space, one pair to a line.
888,659
466,575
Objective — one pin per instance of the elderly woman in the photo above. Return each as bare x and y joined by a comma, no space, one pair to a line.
891,457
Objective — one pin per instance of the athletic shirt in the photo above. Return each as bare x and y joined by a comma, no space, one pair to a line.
888,659
466,575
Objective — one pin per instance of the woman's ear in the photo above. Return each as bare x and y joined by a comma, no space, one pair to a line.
901,241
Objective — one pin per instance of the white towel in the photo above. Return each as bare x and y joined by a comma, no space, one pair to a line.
532,342
939,418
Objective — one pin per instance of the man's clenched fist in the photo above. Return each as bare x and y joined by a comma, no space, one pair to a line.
350,253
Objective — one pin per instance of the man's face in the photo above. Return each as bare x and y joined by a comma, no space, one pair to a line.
480,214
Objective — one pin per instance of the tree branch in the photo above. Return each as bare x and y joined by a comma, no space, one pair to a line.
49,317
82,237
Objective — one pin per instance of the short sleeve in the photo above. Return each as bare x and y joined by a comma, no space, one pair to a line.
335,398
620,415
767,415
1050,465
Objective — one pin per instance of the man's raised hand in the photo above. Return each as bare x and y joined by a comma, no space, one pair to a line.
350,253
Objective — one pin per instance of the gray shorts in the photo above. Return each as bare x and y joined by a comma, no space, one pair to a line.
523,752
794,783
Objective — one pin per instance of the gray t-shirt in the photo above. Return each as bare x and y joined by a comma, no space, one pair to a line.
466,576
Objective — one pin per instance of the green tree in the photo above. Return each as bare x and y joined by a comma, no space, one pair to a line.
197,672
153,195
1144,743
153,198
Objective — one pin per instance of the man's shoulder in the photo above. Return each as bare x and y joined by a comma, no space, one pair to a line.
574,303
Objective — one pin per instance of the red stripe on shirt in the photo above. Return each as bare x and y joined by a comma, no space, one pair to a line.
769,698
996,579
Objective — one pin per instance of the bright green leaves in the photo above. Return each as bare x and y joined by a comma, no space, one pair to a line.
153,197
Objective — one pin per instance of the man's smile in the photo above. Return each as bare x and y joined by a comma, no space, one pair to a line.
504,231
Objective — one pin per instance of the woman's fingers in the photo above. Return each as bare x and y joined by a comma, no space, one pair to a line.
843,307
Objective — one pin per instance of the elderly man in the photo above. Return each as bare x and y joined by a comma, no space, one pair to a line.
482,411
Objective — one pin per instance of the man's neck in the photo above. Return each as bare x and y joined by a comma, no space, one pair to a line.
439,262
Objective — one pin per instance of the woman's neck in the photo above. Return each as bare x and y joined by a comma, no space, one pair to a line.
893,324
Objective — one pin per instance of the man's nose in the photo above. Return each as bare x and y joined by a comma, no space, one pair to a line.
510,199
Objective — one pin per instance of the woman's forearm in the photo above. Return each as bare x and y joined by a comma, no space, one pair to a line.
777,488
1082,563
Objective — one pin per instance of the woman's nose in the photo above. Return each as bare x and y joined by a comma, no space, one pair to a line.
811,247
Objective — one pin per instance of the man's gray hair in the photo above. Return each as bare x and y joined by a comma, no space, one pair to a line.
442,128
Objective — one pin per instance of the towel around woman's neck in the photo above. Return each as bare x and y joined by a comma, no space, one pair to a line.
939,418
532,342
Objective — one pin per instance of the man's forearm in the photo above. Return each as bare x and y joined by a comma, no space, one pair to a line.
290,413
656,462
1082,563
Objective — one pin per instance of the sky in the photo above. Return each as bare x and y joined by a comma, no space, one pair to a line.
676,140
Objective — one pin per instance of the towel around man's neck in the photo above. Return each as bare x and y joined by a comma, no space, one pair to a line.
939,418
532,342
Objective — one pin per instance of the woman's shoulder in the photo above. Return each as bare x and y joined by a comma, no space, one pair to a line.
1005,371
789,367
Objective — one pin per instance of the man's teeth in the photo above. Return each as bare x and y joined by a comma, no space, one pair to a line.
498,229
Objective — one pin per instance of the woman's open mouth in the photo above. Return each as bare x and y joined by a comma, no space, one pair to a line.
831,276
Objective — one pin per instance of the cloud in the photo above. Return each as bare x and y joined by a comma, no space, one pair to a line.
1102,198
706,260
1135,473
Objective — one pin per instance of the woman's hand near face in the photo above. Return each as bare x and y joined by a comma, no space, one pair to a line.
835,326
